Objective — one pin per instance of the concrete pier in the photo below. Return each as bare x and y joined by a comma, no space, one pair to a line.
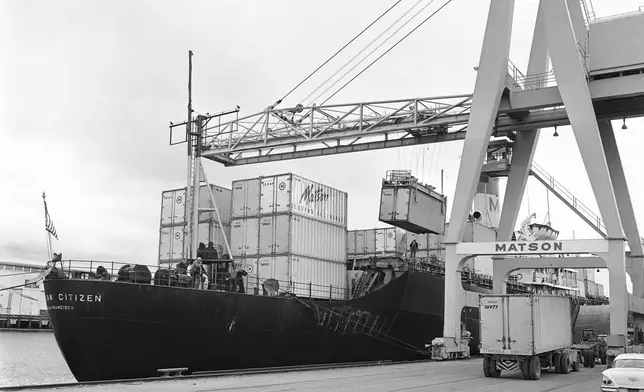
465,375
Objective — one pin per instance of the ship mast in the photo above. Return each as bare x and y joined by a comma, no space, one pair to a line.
187,251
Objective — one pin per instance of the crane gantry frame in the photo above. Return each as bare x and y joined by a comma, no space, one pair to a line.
505,104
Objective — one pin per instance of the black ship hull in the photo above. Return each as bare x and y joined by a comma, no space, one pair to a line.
119,330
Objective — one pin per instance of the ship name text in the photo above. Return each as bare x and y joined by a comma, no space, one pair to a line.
75,297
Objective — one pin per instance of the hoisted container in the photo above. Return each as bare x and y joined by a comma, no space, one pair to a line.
302,276
410,205
289,193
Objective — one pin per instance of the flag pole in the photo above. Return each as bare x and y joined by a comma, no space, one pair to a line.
50,248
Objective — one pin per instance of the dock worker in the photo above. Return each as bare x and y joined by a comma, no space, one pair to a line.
413,247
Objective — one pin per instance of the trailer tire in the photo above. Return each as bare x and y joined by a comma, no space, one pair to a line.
565,363
535,368
525,368
584,358
556,361
603,357
494,372
486,366
591,358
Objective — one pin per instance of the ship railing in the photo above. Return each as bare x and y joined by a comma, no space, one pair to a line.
217,278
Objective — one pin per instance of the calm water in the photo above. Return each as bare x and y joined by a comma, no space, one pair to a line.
31,358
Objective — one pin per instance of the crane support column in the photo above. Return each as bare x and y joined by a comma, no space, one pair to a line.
489,87
525,145
573,87
636,271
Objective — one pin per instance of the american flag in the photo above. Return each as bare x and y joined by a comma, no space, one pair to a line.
49,224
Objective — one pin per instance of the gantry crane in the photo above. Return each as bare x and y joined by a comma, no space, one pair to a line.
507,107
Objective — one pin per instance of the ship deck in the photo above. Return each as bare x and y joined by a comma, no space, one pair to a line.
464,375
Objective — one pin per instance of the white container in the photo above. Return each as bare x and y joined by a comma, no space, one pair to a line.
524,324
581,288
171,239
246,194
370,242
413,207
294,234
289,193
361,242
600,290
302,276
173,207
379,241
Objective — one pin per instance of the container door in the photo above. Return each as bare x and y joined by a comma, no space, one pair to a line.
253,192
387,204
390,240
267,198
275,267
283,193
370,241
239,198
167,202
380,241
165,243
204,202
266,236
282,229
179,208
402,204
217,236
251,236
520,323
492,323
178,234
401,241
237,237
361,245
250,281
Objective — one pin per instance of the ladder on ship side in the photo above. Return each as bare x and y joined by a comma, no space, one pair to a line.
579,208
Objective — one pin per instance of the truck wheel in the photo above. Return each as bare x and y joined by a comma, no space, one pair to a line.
591,358
556,361
486,366
565,363
535,368
584,358
494,372
525,368
603,357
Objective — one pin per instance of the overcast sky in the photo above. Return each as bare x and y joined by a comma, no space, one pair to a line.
88,90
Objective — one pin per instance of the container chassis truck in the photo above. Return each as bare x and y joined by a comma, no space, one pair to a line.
528,333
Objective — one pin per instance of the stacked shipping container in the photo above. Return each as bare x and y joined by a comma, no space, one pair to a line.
293,230
391,241
173,231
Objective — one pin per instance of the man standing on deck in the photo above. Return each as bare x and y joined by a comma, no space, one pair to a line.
413,247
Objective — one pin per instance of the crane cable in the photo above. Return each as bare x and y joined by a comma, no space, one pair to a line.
336,53
388,50
362,51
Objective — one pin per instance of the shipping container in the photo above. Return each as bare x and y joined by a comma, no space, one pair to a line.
591,288
289,193
379,241
370,242
287,233
173,205
302,276
410,205
171,239
524,324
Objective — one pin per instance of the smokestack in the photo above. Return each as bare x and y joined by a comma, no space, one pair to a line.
486,208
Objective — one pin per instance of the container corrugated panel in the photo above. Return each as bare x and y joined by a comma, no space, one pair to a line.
390,240
370,241
285,233
524,324
245,194
223,198
412,209
600,289
171,239
351,242
361,244
173,208
302,276
289,193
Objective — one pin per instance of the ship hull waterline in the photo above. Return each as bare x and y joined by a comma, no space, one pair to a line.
119,330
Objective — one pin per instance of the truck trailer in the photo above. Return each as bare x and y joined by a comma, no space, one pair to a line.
527,333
